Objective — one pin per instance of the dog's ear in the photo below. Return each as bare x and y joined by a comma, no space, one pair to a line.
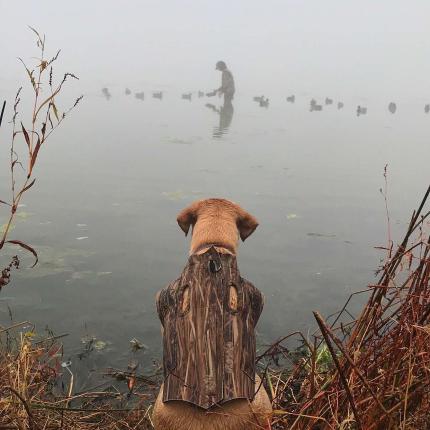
246,224
187,217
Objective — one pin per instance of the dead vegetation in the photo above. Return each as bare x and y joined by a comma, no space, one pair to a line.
372,372
33,394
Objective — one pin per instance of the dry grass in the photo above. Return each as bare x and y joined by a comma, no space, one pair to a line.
374,372
30,393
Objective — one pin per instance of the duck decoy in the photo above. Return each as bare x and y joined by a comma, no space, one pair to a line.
361,110
140,96
106,93
315,106
186,96
291,99
264,102
258,99
392,107
157,95
339,105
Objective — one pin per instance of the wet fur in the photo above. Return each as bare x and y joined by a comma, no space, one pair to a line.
220,222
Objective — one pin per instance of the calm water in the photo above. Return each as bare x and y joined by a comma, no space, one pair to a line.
110,183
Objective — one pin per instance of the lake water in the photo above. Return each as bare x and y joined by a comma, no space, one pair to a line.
111,181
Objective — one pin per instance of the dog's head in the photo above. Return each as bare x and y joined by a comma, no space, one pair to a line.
216,221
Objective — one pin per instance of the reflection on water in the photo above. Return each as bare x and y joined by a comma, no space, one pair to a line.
225,112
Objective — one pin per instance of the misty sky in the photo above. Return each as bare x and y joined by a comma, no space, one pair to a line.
365,48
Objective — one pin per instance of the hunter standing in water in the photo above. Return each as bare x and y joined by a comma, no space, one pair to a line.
227,82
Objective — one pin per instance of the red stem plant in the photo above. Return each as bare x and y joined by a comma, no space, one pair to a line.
45,119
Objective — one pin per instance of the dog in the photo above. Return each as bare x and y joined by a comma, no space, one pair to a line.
217,225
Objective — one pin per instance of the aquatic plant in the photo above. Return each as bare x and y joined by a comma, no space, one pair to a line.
44,119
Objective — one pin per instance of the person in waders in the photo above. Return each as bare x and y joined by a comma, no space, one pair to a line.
227,83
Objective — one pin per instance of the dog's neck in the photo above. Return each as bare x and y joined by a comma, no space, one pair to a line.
222,248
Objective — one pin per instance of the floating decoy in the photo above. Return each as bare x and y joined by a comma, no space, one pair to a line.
258,99
211,94
157,95
201,94
186,96
127,91
328,101
339,105
427,108
106,93
313,102
315,106
264,102
361,110
291,99
140,96
392,107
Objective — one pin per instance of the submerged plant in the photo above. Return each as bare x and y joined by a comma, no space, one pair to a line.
43,120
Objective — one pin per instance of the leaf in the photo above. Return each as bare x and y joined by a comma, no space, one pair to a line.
35,152
54,108
30,74
35,31
25,246
100,345
27,138
43,130
41,42
51,97
26,188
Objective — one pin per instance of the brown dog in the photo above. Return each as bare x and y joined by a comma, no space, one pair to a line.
215,223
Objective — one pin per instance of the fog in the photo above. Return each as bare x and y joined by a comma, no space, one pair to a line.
113,177
354,49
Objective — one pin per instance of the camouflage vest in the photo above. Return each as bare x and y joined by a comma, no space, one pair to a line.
209,347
